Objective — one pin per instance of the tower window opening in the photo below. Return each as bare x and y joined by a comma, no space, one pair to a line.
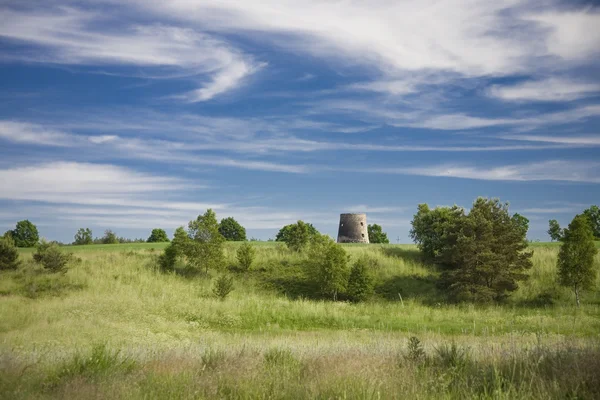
363,235
361,224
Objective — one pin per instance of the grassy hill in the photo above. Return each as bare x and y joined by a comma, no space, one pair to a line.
115,327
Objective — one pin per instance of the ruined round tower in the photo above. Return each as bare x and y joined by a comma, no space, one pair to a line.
353,229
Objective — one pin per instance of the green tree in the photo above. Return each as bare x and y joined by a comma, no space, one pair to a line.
109,237
168,258
554,230
25,234
9,255
521,222
51,257
576,256
158,236
360,282
376,234
487,257
435,230
284,233
205,249
232,230
83,236
297,235
327,264
245,255
593,215
223,286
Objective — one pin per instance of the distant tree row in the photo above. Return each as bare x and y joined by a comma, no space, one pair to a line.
592,214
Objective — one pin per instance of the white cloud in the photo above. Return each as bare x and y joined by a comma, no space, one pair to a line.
472,38
70,36
84,183
23,132
553,170
550,89
573,35
584,141
379,113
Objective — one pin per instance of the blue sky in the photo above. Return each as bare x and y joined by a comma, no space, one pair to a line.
136,114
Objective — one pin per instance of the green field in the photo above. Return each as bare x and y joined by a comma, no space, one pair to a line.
114,327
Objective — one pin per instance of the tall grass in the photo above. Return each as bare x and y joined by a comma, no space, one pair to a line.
178,340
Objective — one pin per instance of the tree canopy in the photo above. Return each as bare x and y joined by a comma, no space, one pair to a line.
158,236
109,237
205,249
483,252
576,256
25,234
376,234
297,235
554,230
327,263
83,236
593,216
232,230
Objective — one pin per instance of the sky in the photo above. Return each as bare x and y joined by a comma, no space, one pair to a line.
138,114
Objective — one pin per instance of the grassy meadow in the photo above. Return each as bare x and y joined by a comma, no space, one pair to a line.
113,326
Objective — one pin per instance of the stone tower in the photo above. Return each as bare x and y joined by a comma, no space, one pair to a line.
353,229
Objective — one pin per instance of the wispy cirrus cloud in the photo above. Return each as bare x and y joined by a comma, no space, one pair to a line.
71,36
552,170
550,89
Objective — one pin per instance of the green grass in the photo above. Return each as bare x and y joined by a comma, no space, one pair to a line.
114,327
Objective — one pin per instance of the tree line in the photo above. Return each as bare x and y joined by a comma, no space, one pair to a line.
482,254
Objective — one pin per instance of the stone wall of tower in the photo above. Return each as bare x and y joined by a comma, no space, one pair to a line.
353,229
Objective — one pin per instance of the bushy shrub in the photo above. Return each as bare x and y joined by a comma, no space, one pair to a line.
360,282
158,236
245,255
297,236
414,350
9,255
166,261
223,286
109,237
51,257
376,234
203,247
232,230
327,263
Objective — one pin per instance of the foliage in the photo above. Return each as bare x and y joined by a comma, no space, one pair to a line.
297,236
109,237
376,234
9,255
205,249
593,216
554,230
576,256
232,230
483,252
521,223
223,286
25,234
158,236
287,233
51,257
434,230
328,265
360,282
100,361
245,255
83,237
415,352
167,260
